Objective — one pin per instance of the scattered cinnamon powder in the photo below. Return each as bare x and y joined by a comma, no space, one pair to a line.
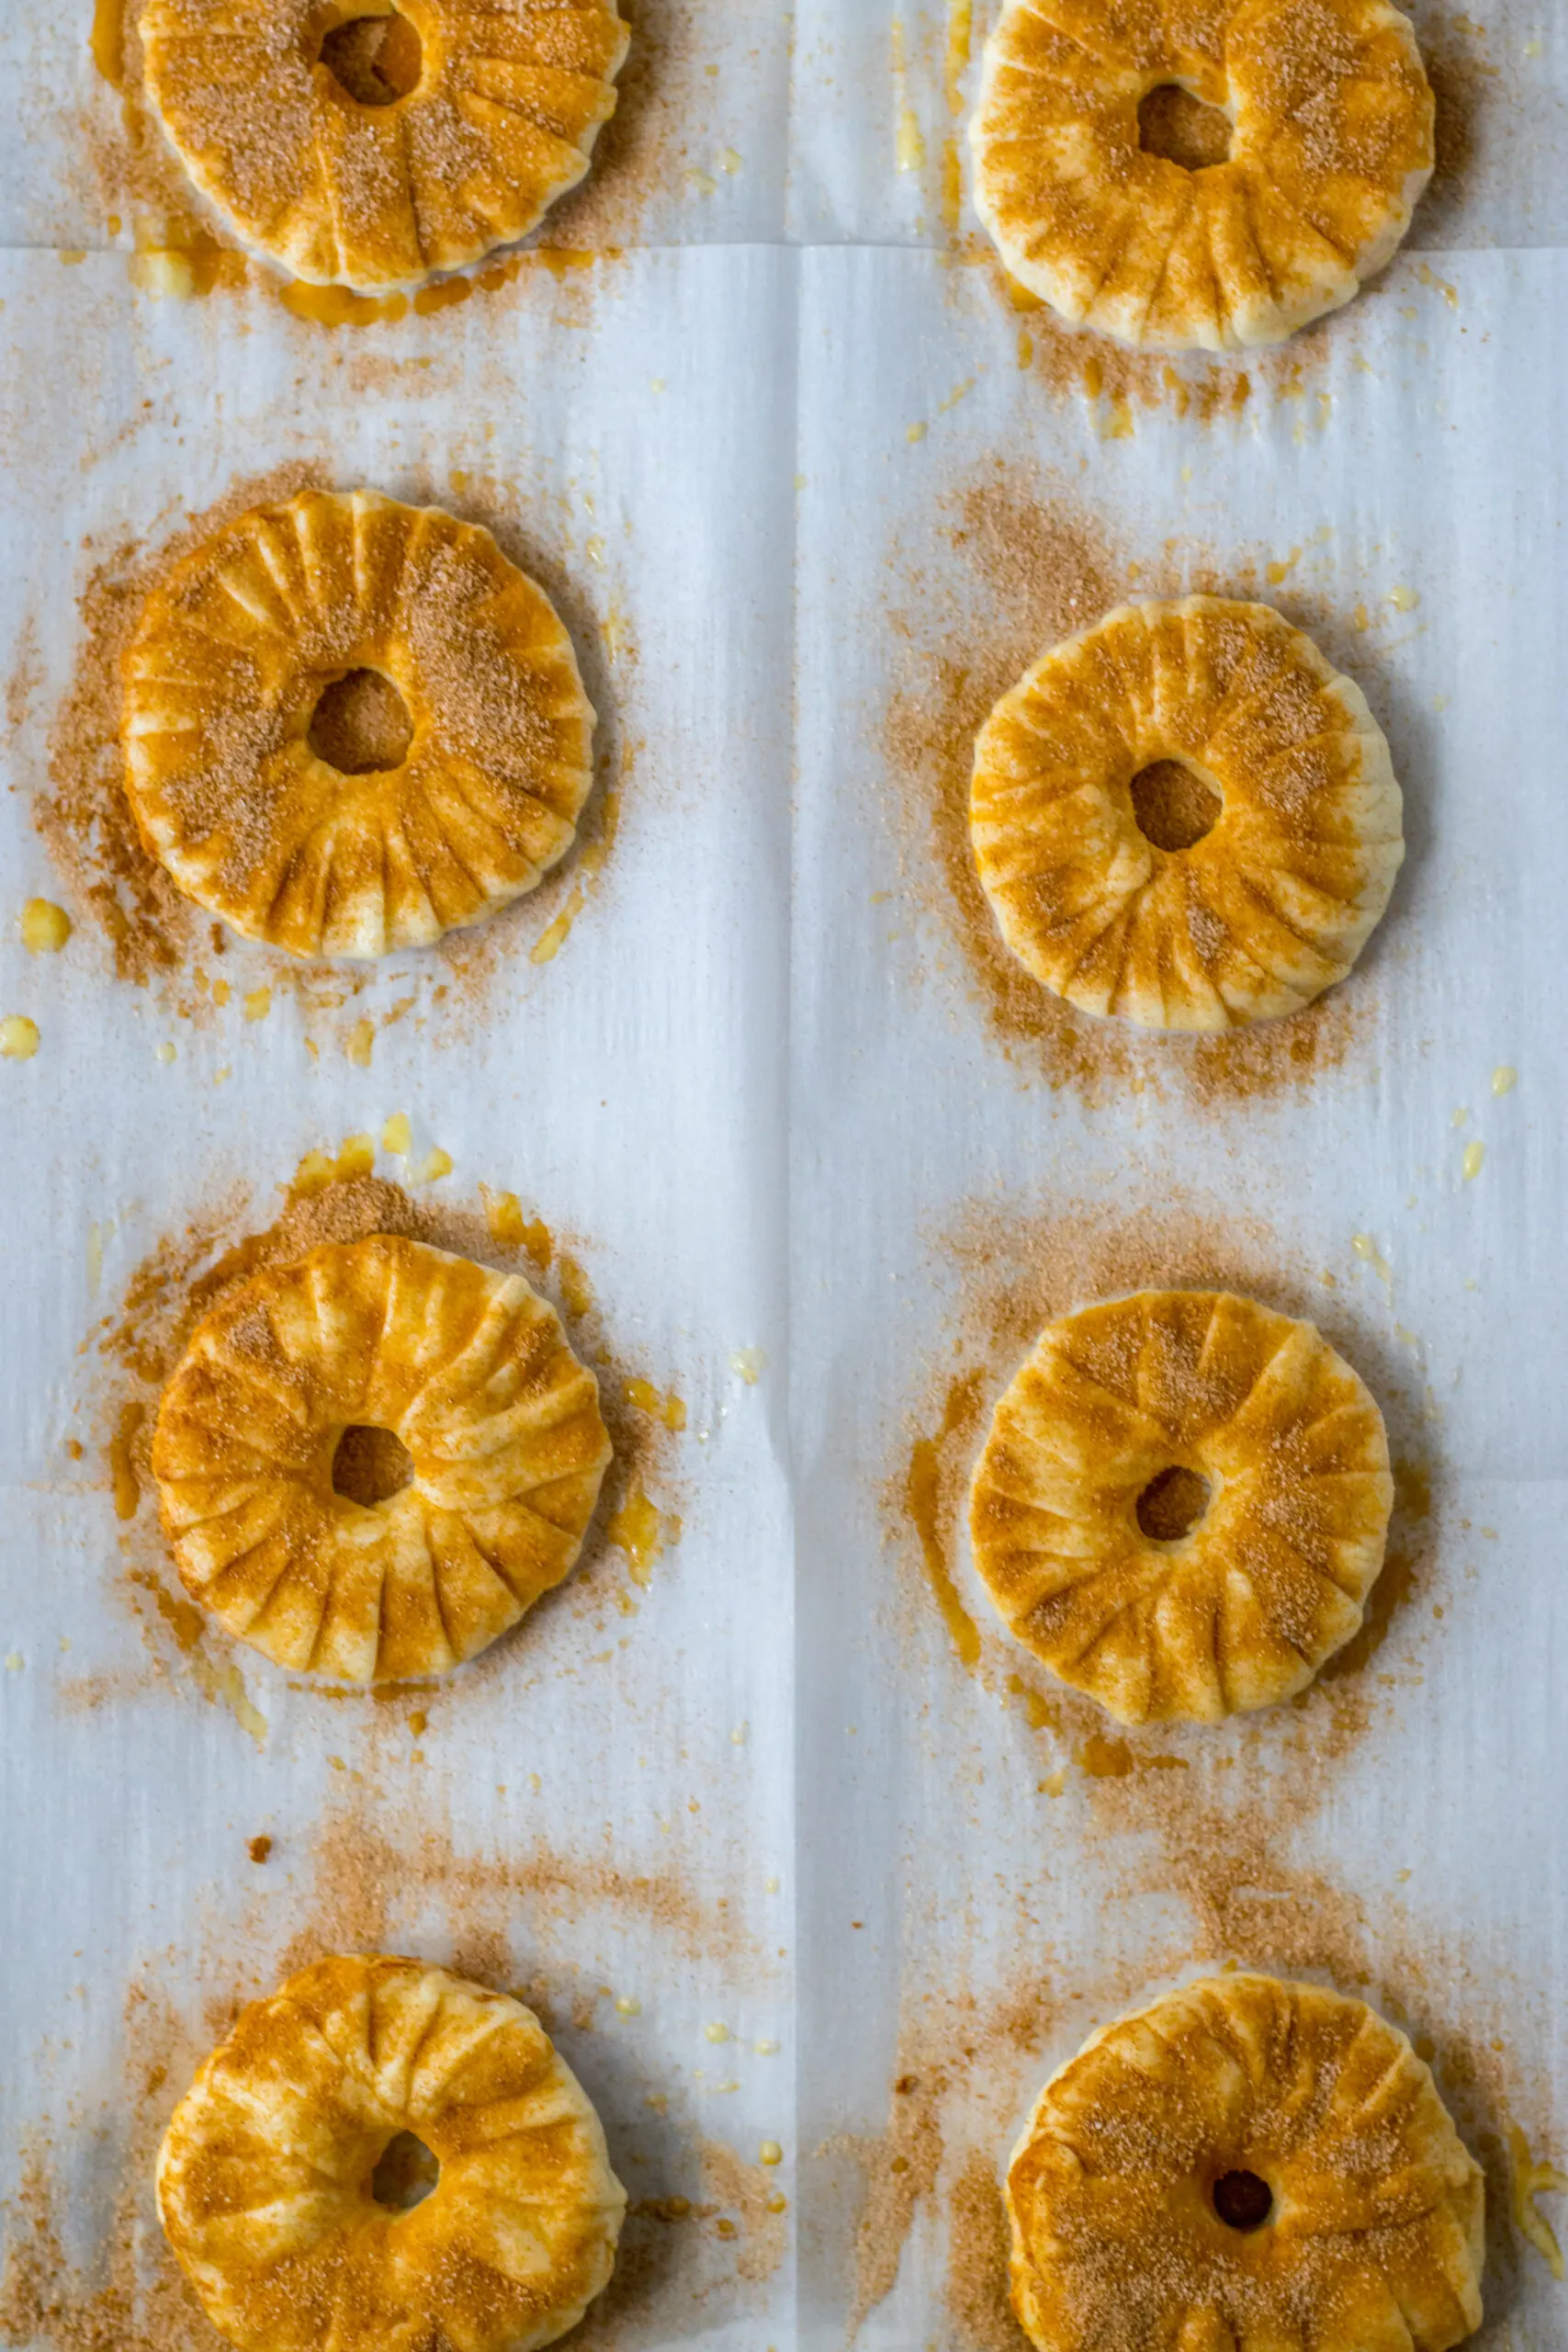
960,2055
385,1880
1029,567
977,2281
47,2301
377,1874
901,2169
132,2296
971,2059
669,110
186,1274
748,2193
1204,1814
1379,147
1115,383
23,685
1021,1269
129,171
84,815
152,936
680,2261
665,100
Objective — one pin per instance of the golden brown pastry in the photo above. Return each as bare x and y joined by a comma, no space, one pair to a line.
233,711
373,1462
1245,2167
1323,141
1182,1503
266,2177
1184,815
370,146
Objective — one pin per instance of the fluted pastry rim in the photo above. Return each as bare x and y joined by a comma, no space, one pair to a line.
468,1368
1375,2234
1316,195
342,194
1244,1609
264,2173
1274,904
221,675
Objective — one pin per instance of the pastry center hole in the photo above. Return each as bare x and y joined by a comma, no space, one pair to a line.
370,1465
1170,1507
375,58
1242,2200
360,724
1173,806
1183,129
405,2174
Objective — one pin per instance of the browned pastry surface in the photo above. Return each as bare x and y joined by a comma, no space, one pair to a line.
373,1462
372,147
1184,815
475,705
267,2177
1246,2165
1183,1504
1307,140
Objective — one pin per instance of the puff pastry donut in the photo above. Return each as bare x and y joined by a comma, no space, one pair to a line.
1328,117
266,2173
1244,2165
1186,817
226,678
447,128
1183,1504
468,1378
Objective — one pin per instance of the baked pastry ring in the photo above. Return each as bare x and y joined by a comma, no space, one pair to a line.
506,99
1181,1504
1227,718
1244,2165
1331,143
498,1432
266,2171
224,677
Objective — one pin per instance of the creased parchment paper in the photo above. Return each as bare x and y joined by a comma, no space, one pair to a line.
800,1857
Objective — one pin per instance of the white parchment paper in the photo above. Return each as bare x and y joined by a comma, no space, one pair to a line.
759,1087
973,1849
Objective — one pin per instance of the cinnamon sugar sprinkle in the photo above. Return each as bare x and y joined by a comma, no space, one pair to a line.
705,2227
154,938
970,2064
1115,382
971,2058
84,815
185,1275
1016,566
1021,1269
131,172
1205,1818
